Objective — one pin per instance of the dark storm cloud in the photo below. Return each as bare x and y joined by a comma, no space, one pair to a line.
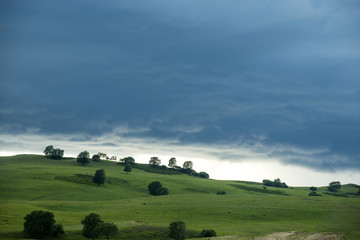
196,71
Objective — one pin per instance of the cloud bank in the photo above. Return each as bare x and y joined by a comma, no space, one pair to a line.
237,80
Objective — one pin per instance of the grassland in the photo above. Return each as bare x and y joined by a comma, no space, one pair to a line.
30,182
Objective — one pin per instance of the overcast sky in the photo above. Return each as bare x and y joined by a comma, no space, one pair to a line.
252,82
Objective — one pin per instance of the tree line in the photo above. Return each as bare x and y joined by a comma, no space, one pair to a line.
41,224
128,162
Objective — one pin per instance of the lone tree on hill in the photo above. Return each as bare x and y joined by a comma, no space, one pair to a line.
39,224
83,157
90,223
95,157
127,160
177,230
172,162
334,186
313,189
128,168
188,165
99,177
107,229
53,153
156,189
154,161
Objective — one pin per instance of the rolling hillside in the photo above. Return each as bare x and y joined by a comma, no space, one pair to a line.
31,182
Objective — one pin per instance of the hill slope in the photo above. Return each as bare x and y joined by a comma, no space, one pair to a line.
29,182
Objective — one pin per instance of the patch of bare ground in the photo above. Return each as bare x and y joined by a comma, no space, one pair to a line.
285,236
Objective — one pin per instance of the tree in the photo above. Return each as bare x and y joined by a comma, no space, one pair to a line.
156,189
57,153
102,156
334,186
39,224
126,160
83,157
107,229
99,177
208,233
188,165
48,150
113,158
204,175
177,230
95,157
58,230
90,222
172,162
154,161
128,168
53,153
314,189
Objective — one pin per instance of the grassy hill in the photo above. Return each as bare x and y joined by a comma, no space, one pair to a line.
31,182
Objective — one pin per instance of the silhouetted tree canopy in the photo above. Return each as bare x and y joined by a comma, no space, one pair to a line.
188,164
53,153
275,183
154,161
334,186
172,162
127,160
96,157
83,157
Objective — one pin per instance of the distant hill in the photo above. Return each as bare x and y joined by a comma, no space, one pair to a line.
32,182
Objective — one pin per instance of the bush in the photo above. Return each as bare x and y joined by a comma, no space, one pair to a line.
107,229
58,230
128,168
99,177
177,230
314,194
208,233
39,224
156,189
221,193
204,175
90,222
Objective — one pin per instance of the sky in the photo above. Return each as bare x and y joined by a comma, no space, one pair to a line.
246,89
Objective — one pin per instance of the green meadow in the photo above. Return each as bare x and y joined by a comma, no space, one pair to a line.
248,210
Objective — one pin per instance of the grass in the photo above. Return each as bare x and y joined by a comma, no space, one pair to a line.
30,182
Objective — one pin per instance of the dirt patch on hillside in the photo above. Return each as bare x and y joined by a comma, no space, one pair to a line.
286,236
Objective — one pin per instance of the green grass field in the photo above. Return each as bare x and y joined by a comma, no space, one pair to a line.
30,182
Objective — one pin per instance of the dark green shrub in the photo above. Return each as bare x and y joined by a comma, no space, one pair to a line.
39,224
221,193
156,189
99,177
58,230
314,194
107,229
128,167
203,175
177,230
208,233
90,222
